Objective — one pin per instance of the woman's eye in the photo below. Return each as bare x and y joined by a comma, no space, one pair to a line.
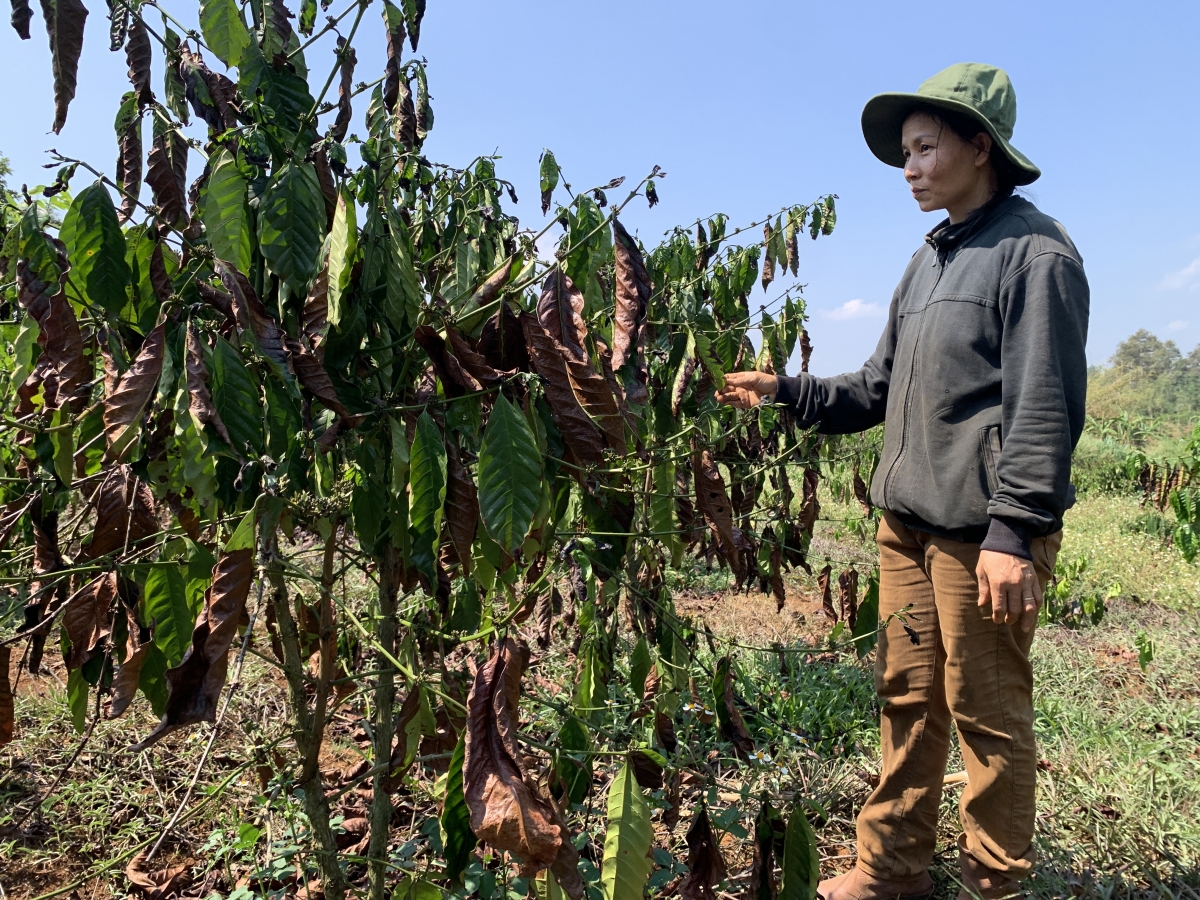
925,148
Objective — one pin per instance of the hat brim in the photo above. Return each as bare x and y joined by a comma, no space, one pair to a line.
883,123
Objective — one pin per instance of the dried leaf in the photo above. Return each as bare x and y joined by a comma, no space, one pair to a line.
646,769
560,312
123,408
848,596
462,506
455,379
249,311
505,811
733,726
7,706
578,430
125,514
129,168
166,173
810,506
64,24
491,288
502,342
138,56
317,382
805,349
157,885
21,14
768,260
200,402
682,379
405,116
632,291
706,867
59,335
314,319
125,682
713,502
341,123
826,595
393,20
471,360
86,620
196,683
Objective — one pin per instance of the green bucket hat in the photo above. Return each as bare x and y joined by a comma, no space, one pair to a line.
982,92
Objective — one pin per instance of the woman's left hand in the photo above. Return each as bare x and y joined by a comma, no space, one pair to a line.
1010,586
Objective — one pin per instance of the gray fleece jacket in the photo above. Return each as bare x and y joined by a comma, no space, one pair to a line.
980,378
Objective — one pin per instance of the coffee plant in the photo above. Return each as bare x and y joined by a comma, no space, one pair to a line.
287,376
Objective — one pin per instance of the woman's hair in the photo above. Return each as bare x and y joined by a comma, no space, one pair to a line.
966,128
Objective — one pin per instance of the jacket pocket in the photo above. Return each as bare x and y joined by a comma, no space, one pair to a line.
989,445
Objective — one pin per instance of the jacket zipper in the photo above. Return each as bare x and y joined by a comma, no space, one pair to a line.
887,482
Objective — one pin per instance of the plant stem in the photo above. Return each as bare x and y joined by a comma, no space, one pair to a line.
382,722
308,730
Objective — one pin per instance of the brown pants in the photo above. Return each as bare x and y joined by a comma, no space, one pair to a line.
966,669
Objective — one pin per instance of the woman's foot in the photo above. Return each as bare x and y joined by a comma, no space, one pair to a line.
860,885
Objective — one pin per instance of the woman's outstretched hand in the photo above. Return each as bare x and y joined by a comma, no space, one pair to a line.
744,390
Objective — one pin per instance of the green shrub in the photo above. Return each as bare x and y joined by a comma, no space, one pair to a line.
1099,465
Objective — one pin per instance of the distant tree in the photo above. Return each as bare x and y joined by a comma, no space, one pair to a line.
1143,350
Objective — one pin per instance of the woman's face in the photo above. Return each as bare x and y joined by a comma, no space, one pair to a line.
943,171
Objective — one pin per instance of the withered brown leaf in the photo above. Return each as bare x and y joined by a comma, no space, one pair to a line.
848,596
706,866
505,810
502,342
462,505
125,682
578,430
64,23
195,684
139,58
124,513
123,408
632,291
129,168
560,312
713,503
158,884
826,595
86,619
166,173
341,123
200,401
7,708
250,312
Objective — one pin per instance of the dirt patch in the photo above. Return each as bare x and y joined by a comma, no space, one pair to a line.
752,618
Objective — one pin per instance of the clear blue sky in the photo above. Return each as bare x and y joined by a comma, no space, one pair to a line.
754,104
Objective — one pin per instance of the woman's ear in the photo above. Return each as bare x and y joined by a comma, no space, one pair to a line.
983,148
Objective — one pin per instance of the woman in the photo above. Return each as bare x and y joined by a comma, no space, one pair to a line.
980,379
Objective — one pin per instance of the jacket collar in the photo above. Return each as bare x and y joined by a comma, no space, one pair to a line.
946,238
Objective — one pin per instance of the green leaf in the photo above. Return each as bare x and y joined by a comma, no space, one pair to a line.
77,698
343,247
639,668
627,840
573,763
225,214
545,886
404,295
23,346
416,889
368,506
236,395
63,440
224,30
457,838
165,609
547,179
510,476
866,626
427,477
96,248
308,16
243,536
291,225
800,864
152,681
